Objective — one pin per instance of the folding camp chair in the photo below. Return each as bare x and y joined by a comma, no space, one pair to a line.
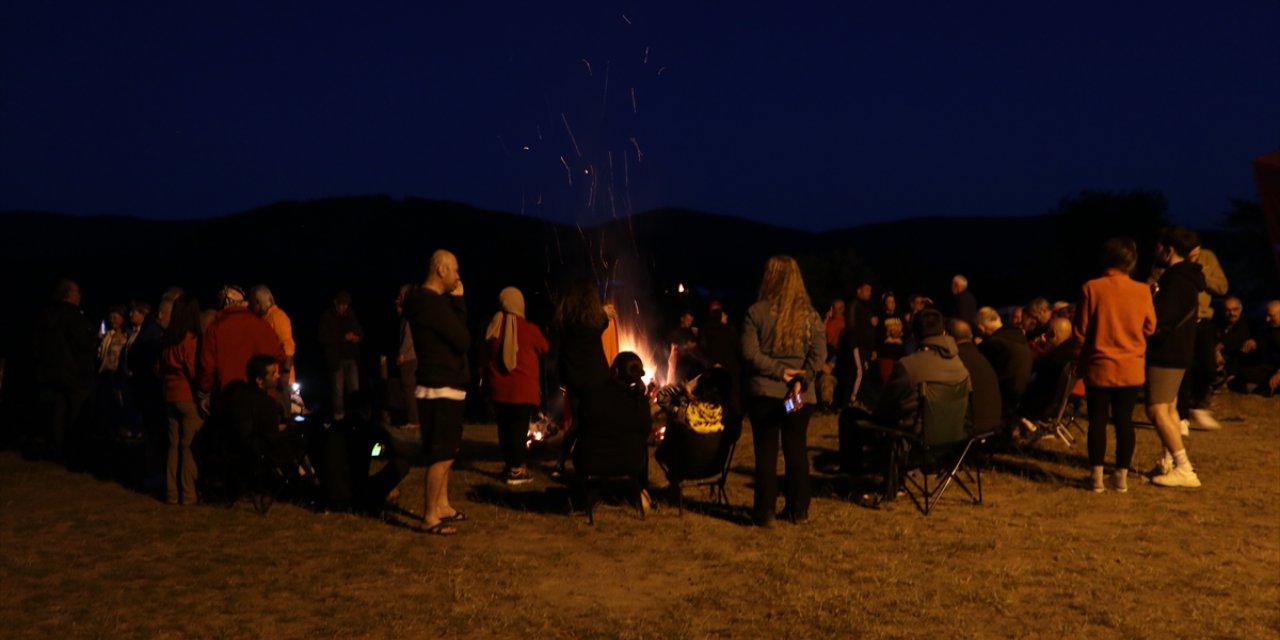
935,452
592,486
1065,410
716,475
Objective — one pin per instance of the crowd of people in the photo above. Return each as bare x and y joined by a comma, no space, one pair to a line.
210,393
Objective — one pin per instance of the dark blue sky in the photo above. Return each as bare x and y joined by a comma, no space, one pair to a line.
807,117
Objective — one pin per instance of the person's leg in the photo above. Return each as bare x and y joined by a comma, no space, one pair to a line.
859,368
449,427
175,444
338,379
795,453
508,418
191,423
1165,417
1123,400
351,369
1099,401
766,419
571,431
519,435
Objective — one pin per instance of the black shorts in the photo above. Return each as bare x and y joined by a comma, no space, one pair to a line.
441,428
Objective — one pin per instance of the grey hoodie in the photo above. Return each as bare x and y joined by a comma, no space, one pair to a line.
937,360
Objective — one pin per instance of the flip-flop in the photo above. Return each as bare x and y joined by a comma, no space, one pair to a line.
457,516
442,528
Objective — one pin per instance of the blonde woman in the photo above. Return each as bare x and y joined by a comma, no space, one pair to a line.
784,346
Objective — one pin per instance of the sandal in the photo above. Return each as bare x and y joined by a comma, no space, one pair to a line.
442,528
457,516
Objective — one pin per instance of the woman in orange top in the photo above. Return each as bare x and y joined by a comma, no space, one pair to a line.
1113,321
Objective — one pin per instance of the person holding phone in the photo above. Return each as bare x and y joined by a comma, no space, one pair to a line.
784,346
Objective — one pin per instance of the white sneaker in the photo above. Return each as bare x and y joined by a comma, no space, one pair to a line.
1185,428
1202,420
1164,465
1180,477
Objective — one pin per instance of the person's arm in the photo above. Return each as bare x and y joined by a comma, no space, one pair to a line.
816,355
1215,279
540,345
355,326
284,329
760,362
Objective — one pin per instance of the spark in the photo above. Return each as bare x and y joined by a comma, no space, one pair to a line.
639,153
567,173
584,61
504,146
525,147
571,138
626,19
661,69
633,101
646,55
604,95
538,128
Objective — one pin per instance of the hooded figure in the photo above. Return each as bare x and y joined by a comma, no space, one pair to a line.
936,360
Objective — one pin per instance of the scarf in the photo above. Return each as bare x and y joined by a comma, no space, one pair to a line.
503,325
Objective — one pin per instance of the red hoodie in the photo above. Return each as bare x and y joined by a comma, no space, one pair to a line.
231,340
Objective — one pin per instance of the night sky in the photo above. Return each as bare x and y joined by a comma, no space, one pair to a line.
806,117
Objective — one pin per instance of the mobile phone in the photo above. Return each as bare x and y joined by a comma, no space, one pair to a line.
377,450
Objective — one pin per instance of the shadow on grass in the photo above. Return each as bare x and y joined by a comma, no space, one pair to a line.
553,500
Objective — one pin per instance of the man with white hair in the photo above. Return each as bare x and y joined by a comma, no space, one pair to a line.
965,305
235,336
263,304
1007,350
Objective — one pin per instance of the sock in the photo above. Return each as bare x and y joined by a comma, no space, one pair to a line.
1097,476
1121,477
1181,460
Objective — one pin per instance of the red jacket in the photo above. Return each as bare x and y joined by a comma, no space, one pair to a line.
524,385
178,367
231,340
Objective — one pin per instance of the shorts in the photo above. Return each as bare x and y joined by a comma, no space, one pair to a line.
441,428
1162,384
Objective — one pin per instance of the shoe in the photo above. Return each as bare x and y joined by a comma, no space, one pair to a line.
518,477
442,528
1164,465
1184,477
1097,484
1117,485
1202,420
1185,428
557,472
457,516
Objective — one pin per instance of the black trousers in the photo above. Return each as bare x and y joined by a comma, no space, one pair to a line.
1119,401
513,431
769,420
1198,381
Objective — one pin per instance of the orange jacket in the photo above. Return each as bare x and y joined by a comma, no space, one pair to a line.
1113,321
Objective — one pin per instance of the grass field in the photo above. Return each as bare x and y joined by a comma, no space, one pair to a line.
1041,558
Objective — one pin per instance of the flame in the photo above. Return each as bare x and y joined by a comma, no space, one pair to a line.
632,337
680,288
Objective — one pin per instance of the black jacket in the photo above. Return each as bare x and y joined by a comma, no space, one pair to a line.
581,361
333,329
65,347
984,404
1177,302
1010,355
440,338
613,424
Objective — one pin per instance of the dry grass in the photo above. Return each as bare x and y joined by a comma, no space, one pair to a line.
1041,558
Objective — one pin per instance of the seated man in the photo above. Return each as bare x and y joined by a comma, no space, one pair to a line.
1235,345
249,425
984,403
1264,377
1007,350
936,360
1040,400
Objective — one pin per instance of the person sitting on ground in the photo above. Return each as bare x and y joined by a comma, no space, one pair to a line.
698,416
937,360
1009,354
984,402
613,424
1264,377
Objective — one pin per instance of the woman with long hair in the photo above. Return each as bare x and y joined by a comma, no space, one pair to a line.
784,346
514,377
1113,321
580,321
178,357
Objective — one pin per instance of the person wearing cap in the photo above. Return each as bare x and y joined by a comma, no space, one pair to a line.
235,336
340,334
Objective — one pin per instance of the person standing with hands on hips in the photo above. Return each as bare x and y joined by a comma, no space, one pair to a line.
784,346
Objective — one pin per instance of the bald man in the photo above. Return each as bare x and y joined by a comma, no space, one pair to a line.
437,317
